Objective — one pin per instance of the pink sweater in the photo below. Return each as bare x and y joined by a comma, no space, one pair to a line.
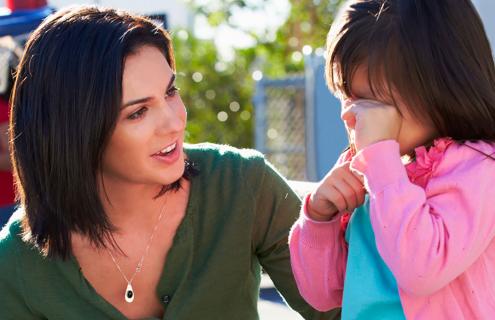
434,224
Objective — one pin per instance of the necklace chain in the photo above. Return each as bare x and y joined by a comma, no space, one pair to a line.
145,254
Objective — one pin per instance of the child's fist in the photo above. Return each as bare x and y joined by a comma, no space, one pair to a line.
369,121
340,190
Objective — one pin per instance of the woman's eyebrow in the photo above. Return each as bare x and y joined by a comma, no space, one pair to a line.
137,101
146,99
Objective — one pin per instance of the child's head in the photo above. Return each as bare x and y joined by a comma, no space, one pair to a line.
433,56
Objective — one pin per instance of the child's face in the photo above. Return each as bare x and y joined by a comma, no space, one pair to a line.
412,134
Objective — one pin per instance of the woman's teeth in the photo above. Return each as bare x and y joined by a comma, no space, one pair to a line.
168,149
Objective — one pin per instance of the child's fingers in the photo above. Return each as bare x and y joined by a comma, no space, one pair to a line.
357,186
354,180
348,185
336,198
340,190
347,193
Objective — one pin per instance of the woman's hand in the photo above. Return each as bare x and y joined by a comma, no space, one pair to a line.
369,121
340,190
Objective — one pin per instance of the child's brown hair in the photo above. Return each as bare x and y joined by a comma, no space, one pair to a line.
434,55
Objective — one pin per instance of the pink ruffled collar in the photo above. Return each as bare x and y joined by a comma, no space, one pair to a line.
426,161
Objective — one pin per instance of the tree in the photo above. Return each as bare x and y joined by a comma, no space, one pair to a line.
219,93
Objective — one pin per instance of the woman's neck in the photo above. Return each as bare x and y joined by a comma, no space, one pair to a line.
131,205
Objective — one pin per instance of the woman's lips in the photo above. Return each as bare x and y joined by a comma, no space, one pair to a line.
170,153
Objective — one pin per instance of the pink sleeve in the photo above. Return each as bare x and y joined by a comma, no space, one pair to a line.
318,256
428,237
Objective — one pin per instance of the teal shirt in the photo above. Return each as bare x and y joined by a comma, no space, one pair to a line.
370,289
237,220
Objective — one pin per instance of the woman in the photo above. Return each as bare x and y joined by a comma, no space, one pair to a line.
118,218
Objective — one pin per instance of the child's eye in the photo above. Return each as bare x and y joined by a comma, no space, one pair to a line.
172,92
138,114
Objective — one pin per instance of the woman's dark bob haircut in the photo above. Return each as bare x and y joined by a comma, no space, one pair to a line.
432,54
65,105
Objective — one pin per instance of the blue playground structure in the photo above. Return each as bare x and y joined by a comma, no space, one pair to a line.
21,22
298,124
17,20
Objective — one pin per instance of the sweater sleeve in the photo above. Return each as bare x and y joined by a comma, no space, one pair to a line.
277,208
318,257
13,304
429,236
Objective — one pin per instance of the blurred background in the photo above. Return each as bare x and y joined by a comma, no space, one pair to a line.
250,71
245,70
250,74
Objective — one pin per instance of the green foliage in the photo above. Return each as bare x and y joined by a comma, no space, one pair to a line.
307,25
224,83
213,90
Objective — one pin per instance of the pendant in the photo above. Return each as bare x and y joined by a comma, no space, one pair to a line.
129,293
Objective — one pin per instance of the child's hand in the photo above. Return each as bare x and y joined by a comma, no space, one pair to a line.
340,190
369,121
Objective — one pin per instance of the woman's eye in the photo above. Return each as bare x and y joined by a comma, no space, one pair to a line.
138,114
172,92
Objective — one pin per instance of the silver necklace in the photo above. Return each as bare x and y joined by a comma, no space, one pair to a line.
129,291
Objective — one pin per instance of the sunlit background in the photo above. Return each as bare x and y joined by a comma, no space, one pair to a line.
227,52
251,75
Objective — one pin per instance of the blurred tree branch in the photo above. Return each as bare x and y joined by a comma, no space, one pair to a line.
220,104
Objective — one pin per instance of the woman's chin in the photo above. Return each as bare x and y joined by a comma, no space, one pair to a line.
174,173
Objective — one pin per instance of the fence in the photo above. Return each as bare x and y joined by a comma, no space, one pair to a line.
280,127
298,125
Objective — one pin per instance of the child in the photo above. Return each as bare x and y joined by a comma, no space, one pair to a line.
417,82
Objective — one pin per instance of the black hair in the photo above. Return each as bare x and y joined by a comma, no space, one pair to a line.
65,104
434,54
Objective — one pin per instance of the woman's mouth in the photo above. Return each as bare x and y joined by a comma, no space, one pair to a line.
167,150
168,154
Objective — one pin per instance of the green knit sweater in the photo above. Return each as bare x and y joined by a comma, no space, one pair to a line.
237,221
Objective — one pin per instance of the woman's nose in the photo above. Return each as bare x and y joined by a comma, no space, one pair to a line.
173,117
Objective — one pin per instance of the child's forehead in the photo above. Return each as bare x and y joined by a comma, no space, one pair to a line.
352,79
359,82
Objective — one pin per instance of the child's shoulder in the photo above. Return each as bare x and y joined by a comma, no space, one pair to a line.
465,156
469,151
452,160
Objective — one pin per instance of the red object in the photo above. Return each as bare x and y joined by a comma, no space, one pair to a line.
7,196
344,221
14,5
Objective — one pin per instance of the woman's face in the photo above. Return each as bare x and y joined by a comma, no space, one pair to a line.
146,146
